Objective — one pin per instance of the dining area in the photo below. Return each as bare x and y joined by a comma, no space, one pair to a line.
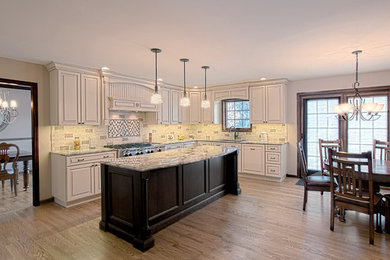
356,182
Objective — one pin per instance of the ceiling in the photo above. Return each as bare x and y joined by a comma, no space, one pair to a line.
239,40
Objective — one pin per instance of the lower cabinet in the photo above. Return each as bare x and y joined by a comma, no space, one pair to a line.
253,159
264,160
77,178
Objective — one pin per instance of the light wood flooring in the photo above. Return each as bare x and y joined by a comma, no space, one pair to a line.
265,221
10,202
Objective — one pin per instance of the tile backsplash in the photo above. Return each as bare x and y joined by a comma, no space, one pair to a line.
62,136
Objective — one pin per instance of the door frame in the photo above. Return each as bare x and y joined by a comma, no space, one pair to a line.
343,95
33,88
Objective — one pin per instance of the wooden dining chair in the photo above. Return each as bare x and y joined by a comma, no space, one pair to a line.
383,147
311,183
9,174
354,174
323,149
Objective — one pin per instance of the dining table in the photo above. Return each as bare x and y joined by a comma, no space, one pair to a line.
24,156
380,177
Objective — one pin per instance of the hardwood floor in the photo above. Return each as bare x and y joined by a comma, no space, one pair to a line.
10,202
258,224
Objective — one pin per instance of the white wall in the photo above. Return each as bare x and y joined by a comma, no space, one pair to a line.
21,127
371,79
24,71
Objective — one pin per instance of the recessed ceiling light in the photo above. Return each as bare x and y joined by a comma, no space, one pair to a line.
263,78
105,68
195,86
159,79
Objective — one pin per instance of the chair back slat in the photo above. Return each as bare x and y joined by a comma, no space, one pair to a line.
384,149
324,145
352,170
5,157
302,158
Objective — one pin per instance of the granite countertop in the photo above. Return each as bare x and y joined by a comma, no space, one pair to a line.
225,141
83,151
169,158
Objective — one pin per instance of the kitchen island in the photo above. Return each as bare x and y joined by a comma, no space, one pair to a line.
143,194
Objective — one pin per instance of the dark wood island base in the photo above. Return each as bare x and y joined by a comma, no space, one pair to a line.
136,204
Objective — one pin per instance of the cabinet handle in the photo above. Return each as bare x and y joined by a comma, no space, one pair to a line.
272,148
93,165
272,158
253,149
272,170
80,160
106,156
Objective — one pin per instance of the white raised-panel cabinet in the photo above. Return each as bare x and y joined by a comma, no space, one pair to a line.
90,100
80,181
185,111
253,159
164,114
275,104
257,105
239,93
207,113
195,116
69,98
175,107
76,178
267,104
75,96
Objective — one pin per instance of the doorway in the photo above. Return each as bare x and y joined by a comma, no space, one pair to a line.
16,86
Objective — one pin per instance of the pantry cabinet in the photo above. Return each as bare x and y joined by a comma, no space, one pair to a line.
267,104
77,178
75,97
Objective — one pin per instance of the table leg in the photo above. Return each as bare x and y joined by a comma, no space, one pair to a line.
387,213
25,174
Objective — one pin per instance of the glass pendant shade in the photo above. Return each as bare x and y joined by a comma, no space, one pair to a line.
205,103
156,99
343,109
184,102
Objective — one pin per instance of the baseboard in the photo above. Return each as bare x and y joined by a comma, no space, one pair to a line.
291,175
47,200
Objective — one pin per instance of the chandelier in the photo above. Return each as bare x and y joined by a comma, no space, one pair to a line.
357,107
8,112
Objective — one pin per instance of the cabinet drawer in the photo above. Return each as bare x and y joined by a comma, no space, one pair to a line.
79,159
273,157
273,148
273,170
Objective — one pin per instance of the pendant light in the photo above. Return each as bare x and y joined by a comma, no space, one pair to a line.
205,102
356,107
184,101
156,98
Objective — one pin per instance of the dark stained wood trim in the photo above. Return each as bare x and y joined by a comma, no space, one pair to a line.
343,95
15,139
47,200
223,117
33,88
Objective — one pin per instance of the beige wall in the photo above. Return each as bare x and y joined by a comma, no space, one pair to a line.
372,79
19,70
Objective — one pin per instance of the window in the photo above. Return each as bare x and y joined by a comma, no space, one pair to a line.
361,133
321,123
236,115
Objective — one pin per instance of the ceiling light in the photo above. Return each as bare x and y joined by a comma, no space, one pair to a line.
356,107
184,101
156,98
205,101
263,78
195,86
105,68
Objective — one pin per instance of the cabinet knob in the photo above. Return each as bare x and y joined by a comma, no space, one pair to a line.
80,160
106,156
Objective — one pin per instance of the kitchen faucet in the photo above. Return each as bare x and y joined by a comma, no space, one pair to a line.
235,132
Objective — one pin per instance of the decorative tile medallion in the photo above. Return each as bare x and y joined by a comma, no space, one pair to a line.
123,128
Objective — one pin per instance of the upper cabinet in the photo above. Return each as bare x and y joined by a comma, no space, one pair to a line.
164,114
233,92
175,107
267,104
207,113
195,115
75,97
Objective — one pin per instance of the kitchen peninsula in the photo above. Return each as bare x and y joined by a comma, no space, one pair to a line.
141,195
